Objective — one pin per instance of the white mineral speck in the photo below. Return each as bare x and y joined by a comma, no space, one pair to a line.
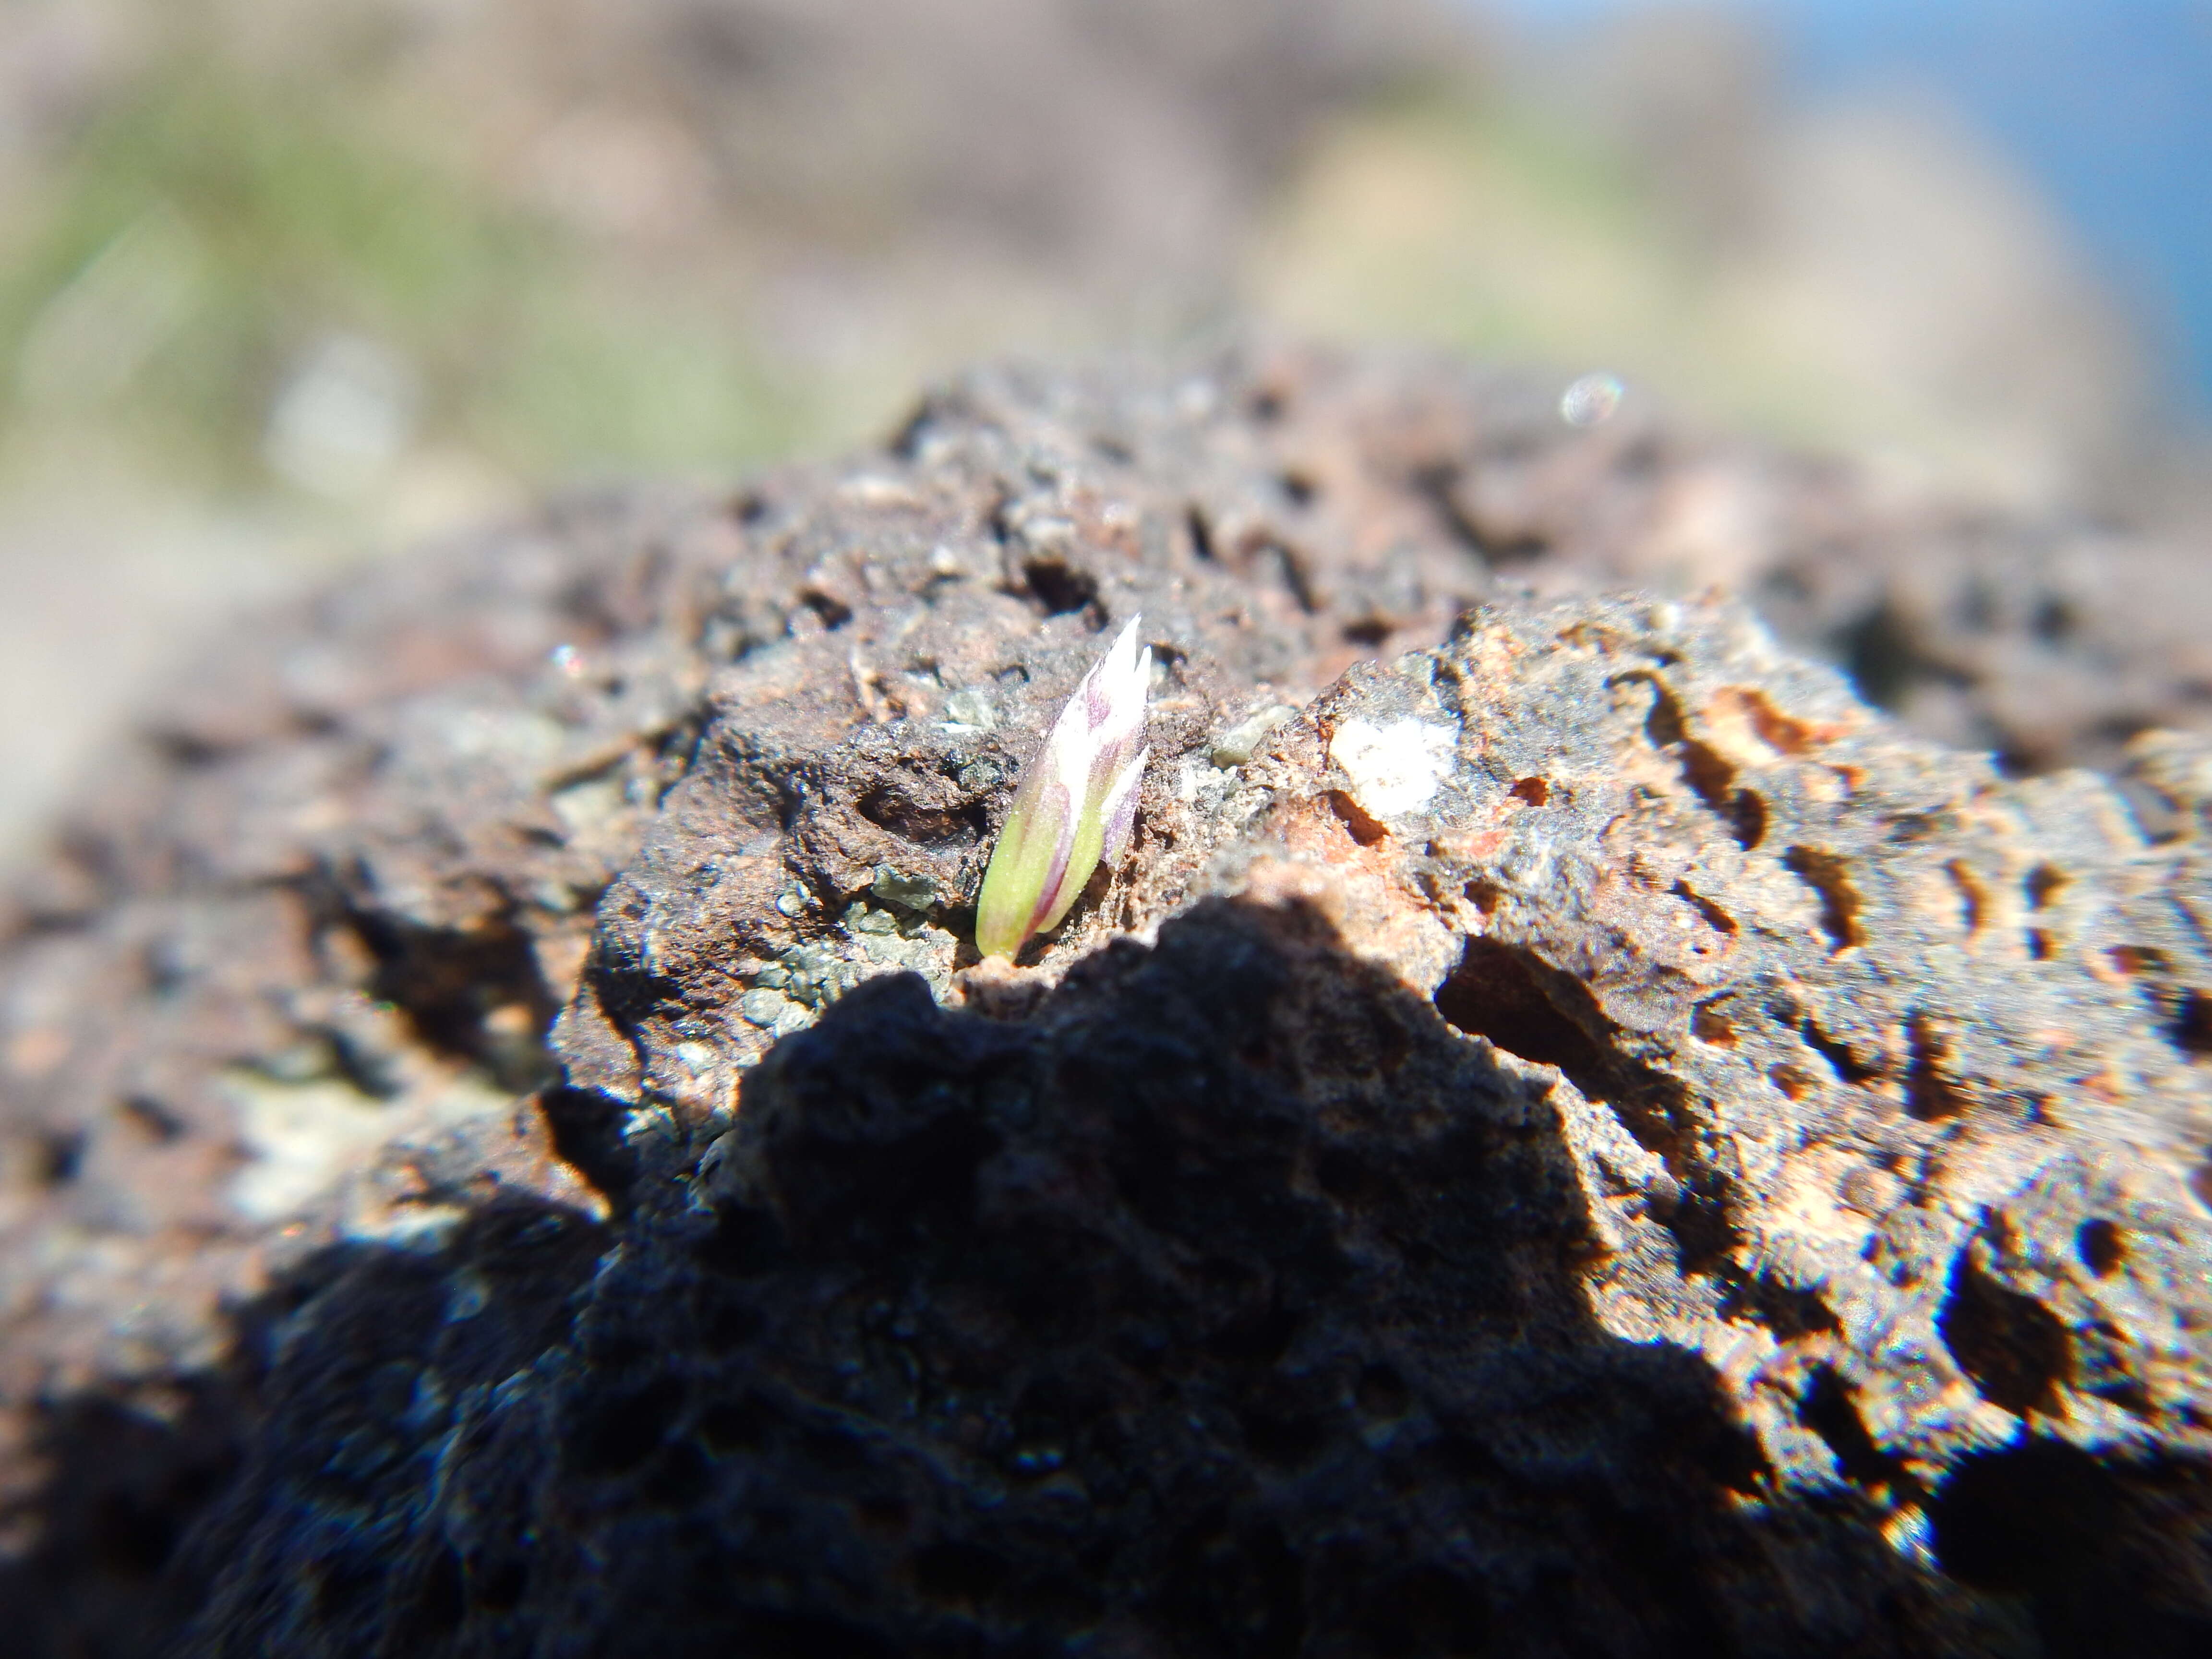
1395,766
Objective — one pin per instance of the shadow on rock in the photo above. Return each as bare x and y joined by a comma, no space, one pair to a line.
329,1402
1230,1305
122,1478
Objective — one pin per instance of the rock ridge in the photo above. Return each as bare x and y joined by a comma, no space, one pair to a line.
1568,1129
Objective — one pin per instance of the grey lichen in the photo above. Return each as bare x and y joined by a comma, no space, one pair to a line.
911,892
1237,746
791,990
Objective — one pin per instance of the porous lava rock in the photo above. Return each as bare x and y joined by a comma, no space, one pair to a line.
1567,1131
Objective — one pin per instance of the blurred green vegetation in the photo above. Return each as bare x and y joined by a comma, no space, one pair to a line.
1493,228
217,235
1857,281
191,245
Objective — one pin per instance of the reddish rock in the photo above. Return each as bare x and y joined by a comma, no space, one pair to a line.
1567,1130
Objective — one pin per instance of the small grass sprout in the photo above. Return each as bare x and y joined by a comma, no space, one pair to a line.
1076,806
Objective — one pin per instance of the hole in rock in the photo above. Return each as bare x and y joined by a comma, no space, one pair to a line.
57,1155
1662,725
1788,1310
2007,1520
1531,1009
150,1118
1930,1093
2015,1350
2055,620
832,613
1709,1024
1201,532
1825,873
1352,1180
1712,776
1785,733
471,993
1258,1336
1972,899
1793,1081
1714,917
926,823
187,750
1827,1408
1297,577
586,1126
1746,817
2089,1544
1365,829
1883,653
1494,546
1508,996
1061,587
1839,1054
2101,1245
2191,1031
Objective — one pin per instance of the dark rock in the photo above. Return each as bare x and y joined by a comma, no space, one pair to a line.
1577,1135
1232,1303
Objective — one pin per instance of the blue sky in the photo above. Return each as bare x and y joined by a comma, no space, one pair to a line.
2106,104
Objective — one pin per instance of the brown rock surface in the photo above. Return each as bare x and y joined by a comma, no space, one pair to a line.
1567,1131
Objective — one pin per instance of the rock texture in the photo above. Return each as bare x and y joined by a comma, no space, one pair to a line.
1568,1132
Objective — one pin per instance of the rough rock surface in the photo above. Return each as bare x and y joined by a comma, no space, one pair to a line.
1567,1131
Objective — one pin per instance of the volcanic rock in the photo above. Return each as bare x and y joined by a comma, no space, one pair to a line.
1568,1131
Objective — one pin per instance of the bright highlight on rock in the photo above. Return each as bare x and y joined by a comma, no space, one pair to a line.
1077,803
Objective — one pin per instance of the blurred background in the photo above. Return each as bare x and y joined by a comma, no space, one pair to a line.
286,283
